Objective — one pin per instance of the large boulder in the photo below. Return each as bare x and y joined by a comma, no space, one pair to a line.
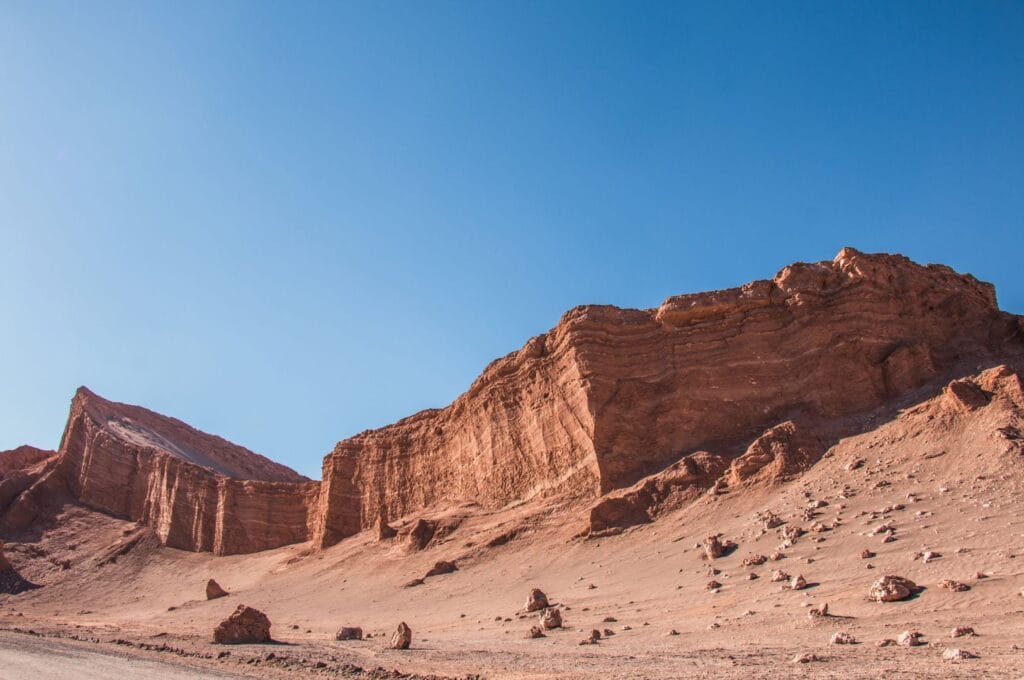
245,626
892,589
402,637
213,590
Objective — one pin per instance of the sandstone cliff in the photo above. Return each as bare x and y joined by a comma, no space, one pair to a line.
627,412
610,396
196,491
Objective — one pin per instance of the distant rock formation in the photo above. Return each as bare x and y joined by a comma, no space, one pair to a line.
196,491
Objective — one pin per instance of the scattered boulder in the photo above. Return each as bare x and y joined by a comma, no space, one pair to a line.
909,638
820,611
958,655
842,639
402,637
551,618
776,556
778,576
770,520
213,590
712,585
961,631
798,582
892,588
245,626
754,560
441,567
349,633
955,586
806,658
715,547
866,554
535,632
537,601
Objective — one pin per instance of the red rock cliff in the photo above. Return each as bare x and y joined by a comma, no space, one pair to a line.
611,395
196,491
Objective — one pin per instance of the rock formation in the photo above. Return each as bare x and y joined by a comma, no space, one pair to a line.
610,396
196,491
630,412
245,626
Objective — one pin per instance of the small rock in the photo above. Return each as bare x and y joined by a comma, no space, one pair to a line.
866,554
537,601
551,618
213,590
961,631
778,576
892,588
402,637
349,633
754,560
909,638
958,655
535,632
842,639
806,658
955,586
798,582
441,567
713,585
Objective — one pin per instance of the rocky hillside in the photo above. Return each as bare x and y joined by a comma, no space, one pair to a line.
622,414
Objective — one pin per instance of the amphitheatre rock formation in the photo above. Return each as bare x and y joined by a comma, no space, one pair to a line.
636,411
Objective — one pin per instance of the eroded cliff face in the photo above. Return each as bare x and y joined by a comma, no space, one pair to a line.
196,491
640,410
610,396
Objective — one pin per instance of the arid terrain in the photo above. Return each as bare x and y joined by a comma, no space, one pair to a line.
716,486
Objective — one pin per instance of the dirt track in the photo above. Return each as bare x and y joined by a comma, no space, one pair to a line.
23,657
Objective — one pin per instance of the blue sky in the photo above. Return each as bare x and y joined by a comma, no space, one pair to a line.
285,223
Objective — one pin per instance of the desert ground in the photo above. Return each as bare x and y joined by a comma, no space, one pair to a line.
925,479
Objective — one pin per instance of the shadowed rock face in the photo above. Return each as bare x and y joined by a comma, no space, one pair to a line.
610,396
194,490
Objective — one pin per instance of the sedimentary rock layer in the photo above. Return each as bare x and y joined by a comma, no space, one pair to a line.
196,491
611,395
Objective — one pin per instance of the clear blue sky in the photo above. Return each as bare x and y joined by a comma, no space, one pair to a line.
286,222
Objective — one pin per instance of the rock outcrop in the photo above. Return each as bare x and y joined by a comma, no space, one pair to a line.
196,491
610,396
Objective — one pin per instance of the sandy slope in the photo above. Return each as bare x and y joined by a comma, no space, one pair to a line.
964,470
